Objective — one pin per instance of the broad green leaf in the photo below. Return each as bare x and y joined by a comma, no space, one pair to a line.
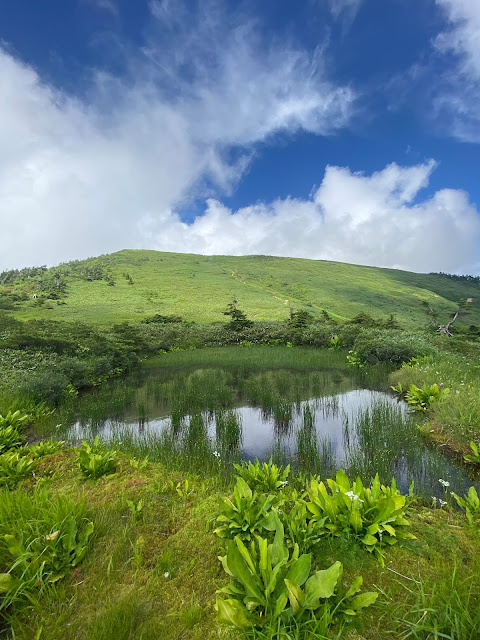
233,613
321,585
246,556
342,480
241,572
354,587
369,540
355,521
295,596
300,569
362,600
7,582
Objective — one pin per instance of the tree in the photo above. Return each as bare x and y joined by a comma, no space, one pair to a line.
238,319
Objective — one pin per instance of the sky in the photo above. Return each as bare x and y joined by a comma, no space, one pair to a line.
343,130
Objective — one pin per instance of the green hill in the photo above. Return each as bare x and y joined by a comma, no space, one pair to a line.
133,284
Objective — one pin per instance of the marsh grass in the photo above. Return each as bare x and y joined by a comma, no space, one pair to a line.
448,609
456,415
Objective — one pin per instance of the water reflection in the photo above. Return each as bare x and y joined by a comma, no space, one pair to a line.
317,421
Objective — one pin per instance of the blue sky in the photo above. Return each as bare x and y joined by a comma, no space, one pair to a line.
330,129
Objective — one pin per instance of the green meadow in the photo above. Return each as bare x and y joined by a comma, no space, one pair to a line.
198,289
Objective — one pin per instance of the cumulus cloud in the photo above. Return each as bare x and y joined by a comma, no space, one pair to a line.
460,99
83,176
352,217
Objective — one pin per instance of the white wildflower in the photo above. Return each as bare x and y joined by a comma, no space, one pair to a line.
166,574
216,454
353,496
442,502
444,483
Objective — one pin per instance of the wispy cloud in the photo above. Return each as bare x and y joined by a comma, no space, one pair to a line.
348,7
460,98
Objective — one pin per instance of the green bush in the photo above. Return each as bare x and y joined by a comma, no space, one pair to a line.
14,467
245,514
390,347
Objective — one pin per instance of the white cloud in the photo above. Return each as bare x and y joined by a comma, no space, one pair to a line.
81,177
373,220
461,97
348,7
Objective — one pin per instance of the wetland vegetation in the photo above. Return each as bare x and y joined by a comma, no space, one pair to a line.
128,466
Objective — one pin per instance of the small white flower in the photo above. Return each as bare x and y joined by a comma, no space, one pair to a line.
353,496
166,574
442,502
216,454
445,483
283,482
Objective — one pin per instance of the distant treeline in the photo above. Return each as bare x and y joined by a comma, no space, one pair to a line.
456,277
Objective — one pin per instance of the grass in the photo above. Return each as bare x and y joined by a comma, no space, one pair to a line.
156,577
455,419
200,287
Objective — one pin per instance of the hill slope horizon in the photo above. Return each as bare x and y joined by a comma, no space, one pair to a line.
132,284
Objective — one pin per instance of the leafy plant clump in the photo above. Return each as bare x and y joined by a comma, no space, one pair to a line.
9,439
421,399
14,467
374,515
470,504
10,430
14,419
270,585
95,460
475,455
245,515
266,477
45,539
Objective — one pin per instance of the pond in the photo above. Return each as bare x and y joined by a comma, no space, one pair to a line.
299,406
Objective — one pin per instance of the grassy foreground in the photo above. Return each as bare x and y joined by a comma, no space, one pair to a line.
151,569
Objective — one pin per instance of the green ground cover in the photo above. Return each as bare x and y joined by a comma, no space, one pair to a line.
151,568
198,288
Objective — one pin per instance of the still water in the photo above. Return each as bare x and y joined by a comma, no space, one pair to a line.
317,420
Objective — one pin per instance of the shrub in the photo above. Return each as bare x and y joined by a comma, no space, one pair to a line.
9,439
422,398
470,504
40,539
390,347
14,467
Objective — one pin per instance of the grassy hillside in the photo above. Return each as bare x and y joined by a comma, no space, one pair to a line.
132,284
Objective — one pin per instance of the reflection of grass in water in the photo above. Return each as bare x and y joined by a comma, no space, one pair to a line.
381,439
228,429
387,441
313,456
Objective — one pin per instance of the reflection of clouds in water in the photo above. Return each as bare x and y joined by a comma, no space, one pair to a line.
260,430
